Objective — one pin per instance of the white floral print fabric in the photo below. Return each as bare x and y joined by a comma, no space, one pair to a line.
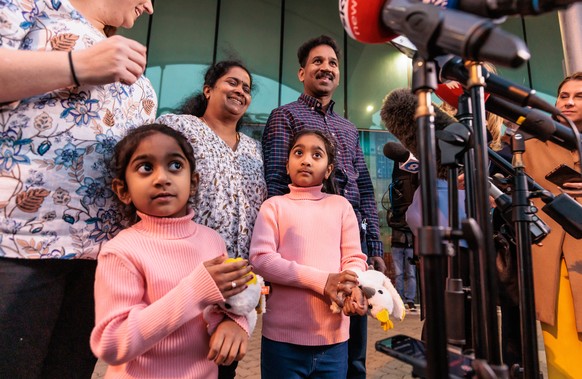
232,183
55,199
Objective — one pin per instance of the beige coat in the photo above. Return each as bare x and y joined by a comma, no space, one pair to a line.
540,158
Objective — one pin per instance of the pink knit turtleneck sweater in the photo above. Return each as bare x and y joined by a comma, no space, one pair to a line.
298,240
151,289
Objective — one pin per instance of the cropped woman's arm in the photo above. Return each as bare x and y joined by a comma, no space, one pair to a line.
27,73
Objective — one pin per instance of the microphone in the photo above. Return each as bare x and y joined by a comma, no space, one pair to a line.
563,209
534,122
397,114
499,8
396,152
433,30
453,68
538,228
406,160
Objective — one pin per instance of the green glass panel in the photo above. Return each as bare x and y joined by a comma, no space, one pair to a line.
242,25
373,71
304,20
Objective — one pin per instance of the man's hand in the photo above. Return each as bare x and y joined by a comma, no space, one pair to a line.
378,264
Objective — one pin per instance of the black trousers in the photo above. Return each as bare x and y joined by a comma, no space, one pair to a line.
47,312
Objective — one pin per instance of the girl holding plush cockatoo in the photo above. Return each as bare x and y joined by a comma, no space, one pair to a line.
155,280
306,244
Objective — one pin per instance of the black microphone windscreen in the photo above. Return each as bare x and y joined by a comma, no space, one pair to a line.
396,152
397,114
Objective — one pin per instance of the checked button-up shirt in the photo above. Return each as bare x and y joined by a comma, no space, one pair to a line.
351,173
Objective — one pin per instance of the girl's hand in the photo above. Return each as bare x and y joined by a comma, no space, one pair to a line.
230,277
356,303
228,343
340,282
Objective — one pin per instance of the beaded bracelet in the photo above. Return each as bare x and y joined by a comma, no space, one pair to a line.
73,69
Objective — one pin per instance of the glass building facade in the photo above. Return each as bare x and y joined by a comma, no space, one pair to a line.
183,37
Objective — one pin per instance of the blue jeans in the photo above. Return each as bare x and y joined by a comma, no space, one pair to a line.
405,273
357,347
358,335
281,360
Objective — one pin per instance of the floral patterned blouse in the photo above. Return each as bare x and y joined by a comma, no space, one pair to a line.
232,183
55,199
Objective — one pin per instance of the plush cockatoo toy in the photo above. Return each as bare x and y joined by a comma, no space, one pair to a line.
383,299
250,302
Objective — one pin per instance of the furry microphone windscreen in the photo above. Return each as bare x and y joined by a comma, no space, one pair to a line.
397,114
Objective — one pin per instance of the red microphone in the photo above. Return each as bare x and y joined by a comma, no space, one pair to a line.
449,92
433,29
362,20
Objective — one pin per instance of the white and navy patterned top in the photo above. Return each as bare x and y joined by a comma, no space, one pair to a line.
55,196
232,184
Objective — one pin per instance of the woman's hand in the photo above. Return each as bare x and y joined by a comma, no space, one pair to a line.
573,189
116,59
230,277
228,343
340,282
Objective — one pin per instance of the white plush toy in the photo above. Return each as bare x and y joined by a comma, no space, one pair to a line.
249,302
383,299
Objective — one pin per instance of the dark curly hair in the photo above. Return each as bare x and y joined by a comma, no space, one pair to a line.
398,114
305,49
125,149
330,150
197,103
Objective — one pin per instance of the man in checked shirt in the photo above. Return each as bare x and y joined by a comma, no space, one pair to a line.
319,73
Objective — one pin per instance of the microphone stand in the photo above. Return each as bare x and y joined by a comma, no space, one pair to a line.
562,208
487,340
465,116
453,142
522,217
488,363
424,82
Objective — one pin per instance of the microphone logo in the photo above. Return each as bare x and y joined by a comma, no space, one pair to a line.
438,3
411,165
349,17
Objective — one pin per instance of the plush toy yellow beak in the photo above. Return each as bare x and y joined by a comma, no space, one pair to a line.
253,280
384,317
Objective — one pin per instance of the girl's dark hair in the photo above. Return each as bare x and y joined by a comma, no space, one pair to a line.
330,149
197,103
125,148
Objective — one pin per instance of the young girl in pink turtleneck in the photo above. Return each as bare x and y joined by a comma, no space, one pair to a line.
305,243
157,281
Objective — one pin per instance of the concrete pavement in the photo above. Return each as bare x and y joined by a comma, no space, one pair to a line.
379,365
